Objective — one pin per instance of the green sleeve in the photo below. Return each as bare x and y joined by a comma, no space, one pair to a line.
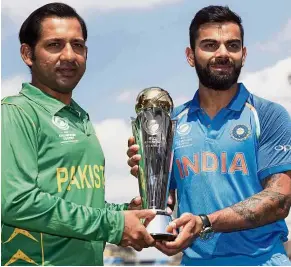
116,207
25,206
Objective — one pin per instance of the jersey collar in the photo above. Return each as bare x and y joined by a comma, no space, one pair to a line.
239,100
235,104
49,103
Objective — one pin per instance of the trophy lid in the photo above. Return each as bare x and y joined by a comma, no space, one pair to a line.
154,97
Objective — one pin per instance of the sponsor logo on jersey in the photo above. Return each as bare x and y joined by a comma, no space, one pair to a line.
240,132
283,148
61,123
184,128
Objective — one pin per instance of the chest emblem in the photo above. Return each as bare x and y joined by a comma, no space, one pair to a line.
61,123
184,128
240,132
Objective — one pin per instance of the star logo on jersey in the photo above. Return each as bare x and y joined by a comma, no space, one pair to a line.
61,123
184,128
240,132
22,232
20,255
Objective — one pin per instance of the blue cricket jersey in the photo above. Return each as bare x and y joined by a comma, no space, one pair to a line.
220,162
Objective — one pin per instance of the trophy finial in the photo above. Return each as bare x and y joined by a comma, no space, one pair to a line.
154,97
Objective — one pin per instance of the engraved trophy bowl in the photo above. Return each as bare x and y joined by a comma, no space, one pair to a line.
154,130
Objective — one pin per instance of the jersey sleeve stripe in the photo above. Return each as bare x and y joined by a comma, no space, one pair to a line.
257,121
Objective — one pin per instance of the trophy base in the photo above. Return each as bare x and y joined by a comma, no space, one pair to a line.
163,237
157,227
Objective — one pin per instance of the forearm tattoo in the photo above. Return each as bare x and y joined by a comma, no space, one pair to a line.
266,206
272,181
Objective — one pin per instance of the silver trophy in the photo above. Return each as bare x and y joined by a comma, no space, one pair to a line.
154,130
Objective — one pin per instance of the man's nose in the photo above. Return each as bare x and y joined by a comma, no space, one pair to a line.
68,53
222,51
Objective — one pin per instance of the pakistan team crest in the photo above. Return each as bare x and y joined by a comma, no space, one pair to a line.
240,132
61,123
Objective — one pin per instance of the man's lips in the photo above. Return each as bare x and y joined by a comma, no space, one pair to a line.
221,67
69,72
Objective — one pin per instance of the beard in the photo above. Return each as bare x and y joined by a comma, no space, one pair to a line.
51,79
219,80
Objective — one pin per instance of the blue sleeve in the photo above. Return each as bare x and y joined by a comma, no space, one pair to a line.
274,151
173,183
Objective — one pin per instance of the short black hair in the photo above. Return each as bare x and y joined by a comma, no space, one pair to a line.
214,14
31,28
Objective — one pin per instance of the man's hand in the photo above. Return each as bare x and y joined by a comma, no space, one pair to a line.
133,156
135,233
135,204
171,201
190,226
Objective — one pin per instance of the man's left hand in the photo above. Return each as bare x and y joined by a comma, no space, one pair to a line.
190,226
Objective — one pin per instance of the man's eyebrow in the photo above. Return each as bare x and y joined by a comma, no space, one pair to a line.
209,40
53,39
60,39
79,40
234,41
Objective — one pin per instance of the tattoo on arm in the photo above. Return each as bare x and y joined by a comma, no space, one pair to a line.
265,206
272,181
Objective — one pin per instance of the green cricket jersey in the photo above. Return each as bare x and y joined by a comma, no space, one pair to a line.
53,207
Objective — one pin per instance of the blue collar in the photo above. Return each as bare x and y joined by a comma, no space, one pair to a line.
235,104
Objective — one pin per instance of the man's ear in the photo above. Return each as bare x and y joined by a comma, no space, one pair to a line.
244,55
86,52
26,54
190,56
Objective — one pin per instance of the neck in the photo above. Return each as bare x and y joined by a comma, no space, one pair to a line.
213,101
63,97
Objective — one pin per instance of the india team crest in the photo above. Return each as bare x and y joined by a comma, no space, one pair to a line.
240,132
61,123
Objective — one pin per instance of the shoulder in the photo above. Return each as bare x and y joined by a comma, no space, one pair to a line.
178,111
15,100
273,120
268,111
20,108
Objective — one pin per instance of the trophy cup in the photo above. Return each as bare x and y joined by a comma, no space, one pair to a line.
154,130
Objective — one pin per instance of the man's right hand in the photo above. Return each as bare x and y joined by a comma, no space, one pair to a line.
135,233
133,157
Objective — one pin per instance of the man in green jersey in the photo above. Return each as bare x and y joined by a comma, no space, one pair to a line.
53,208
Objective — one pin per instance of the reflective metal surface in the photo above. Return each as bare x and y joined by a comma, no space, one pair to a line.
154,132
154,97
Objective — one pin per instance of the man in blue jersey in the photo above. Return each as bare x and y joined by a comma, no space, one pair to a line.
232,157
